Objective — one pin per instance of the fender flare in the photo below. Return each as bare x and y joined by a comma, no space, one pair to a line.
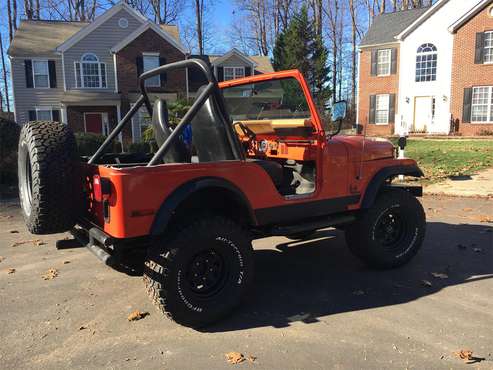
185,190
379,178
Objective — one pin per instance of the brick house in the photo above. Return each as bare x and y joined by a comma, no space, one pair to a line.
86,74
419,70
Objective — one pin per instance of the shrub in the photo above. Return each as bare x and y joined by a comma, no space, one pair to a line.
9,139
142,147
88,142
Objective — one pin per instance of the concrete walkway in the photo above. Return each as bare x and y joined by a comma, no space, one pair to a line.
480,185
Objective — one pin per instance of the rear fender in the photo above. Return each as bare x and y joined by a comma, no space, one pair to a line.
379,181
185,191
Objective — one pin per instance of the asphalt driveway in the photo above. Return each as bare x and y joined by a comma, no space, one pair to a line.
314,305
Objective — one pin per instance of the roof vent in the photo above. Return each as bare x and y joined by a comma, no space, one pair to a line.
123,22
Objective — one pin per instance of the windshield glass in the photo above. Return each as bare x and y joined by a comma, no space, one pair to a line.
267,100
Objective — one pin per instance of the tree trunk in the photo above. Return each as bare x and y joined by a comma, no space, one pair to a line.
11,28
14,15
37,10
354,50
5,83
199,9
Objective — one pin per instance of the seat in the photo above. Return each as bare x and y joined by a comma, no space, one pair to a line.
209,132
177,153
274,170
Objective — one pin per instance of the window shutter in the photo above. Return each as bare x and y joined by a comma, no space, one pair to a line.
393,65
478,55
248,71
28,66
103,75
466,110
373,102
52,73
32,115
55,115
163,76
391,108
220,74
374,60
78,77
140,65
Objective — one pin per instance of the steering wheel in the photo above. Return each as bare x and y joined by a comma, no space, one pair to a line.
246,130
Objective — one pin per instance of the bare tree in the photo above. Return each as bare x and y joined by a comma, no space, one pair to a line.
14,14
167,11
11,27
352,7
199,17
4,73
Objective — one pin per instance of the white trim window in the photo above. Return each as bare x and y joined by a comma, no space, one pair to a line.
151,61
488,47
231,73
382,107
44,114
482,104
384,59
41,74
426,63
90,73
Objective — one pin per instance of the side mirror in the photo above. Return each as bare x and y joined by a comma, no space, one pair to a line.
339,111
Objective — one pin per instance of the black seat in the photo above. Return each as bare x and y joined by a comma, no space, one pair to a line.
274,170
209,133
177,153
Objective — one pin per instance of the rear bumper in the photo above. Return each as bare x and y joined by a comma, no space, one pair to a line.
97,241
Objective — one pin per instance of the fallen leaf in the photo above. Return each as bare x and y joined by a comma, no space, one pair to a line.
137,315
35,242
426,283
235,357
82,327
358,292
478,250
467,209
439,275
251,359
464,354
14,231
66,262
6,217
10,271
50,274
486,219
1,258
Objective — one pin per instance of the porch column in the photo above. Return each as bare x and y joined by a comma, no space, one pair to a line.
64,117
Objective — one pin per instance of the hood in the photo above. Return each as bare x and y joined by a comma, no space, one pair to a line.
372,147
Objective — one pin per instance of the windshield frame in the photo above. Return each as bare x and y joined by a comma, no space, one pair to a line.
294,73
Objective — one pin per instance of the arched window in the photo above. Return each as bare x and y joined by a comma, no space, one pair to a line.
426,63
90,73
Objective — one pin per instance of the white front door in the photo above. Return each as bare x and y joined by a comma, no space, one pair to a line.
423,113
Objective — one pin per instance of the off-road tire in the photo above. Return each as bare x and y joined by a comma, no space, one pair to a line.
167,271
49,185
390,233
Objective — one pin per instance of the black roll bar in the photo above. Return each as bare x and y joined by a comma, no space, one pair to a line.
210,89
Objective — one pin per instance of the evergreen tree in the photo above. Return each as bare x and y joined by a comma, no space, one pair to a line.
299,47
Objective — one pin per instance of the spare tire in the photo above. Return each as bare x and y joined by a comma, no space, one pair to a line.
50,190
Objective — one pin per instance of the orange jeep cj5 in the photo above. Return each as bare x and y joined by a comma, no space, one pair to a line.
249,159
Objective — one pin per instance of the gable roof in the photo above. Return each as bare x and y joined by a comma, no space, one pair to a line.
423,18
387,26
234,51
40,38
99,21
262,63
469,15
160,30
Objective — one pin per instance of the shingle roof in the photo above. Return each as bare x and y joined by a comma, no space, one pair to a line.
40,38
263,62
386,26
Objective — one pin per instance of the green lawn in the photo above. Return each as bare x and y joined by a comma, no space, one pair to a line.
440,159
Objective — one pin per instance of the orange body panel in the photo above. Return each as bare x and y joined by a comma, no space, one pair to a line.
137,193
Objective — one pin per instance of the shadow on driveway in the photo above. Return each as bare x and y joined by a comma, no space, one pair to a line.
303,281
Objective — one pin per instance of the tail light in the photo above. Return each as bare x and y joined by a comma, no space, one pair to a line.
101,188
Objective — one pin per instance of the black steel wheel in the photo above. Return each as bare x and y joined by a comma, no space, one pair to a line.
390,233
201,273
